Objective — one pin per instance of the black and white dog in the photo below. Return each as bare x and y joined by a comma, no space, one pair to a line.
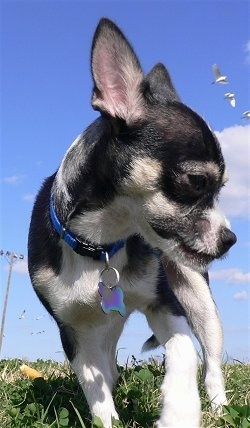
128,223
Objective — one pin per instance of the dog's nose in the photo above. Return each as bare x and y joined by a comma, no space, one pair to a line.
228,239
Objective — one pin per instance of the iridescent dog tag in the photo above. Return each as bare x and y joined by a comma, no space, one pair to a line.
111,294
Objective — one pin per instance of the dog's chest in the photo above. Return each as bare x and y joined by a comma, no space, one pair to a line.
74,295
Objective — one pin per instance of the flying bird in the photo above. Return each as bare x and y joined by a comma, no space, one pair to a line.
246,114
231,98
22,314
219,78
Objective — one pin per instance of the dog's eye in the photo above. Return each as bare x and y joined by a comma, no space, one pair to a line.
198,182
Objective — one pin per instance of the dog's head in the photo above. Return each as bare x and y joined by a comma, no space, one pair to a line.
170,162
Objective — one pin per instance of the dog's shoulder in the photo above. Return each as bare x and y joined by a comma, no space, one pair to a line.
43,248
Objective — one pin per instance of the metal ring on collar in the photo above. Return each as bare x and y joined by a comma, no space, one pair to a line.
107,283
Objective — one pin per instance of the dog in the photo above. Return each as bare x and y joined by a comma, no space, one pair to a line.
129,223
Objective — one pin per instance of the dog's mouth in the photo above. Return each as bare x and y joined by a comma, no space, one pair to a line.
182,251
195,256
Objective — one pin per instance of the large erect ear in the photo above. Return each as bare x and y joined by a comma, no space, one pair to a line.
117,74
160,85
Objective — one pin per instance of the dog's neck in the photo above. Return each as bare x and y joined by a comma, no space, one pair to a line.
114,222
79,246
84,193
94,232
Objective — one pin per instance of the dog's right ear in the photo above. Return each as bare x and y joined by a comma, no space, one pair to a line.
117,74
160,86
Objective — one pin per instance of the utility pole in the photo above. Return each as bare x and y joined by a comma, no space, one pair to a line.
11,258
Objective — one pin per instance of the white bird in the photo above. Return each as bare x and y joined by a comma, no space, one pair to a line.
246,114
22,314
219,78
231,98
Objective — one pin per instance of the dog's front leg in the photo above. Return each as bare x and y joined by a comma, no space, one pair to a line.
96,373
192,290
180,397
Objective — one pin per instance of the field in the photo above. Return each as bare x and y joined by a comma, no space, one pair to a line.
56,400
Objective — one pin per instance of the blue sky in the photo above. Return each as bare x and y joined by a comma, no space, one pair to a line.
45,103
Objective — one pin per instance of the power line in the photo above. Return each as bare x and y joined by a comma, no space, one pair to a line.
11,258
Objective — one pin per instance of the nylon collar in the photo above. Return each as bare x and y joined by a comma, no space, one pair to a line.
97,252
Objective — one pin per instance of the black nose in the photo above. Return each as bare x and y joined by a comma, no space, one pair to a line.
228,239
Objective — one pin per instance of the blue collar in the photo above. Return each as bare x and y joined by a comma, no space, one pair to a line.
97,252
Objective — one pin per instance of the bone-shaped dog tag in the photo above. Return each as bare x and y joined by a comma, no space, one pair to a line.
112,295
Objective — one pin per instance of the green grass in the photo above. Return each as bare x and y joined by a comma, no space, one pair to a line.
57,401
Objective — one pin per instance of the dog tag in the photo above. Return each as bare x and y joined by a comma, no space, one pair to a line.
112,295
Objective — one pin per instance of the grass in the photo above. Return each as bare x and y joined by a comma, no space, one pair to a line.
57,400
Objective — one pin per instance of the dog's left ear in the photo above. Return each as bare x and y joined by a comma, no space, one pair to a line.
160,86
117,74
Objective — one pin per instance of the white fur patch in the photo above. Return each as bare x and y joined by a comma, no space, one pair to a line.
180,397
159,205
209,242
60,180
118,220
144,176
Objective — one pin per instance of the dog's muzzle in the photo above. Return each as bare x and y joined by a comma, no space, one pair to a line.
200,243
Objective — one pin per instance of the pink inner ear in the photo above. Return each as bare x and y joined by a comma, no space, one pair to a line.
117,76
113,81
109,80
